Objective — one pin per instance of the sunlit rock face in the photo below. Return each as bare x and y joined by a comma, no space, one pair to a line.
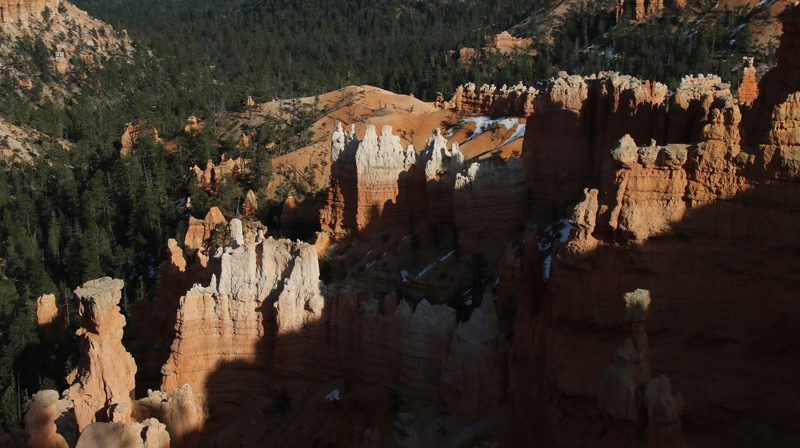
376,185
105,373
14,11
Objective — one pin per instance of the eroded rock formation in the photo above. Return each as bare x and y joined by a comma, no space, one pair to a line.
12,11
49,318
212,176
748,89
200,231
375,185
133,130
41,412
639,410
105,373
517,101
149,434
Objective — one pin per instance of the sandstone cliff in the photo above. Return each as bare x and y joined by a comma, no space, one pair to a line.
376,185
723,204
489,100
13,11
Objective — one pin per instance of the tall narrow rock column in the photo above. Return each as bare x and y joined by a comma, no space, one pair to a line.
105,373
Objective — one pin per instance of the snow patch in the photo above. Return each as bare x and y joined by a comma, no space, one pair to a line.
430,266
485,122
520,132
333,396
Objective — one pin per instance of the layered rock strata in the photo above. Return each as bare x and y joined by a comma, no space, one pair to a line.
489,200
105,373
518,100
375,185
716,200
266,311
579,120
748,89
13,11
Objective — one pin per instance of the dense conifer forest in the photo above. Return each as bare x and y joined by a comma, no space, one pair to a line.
78,211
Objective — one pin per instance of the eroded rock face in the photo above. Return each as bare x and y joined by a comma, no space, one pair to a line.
179,411
149,434
661,202
375,185
517,100
780,82
49,318
105,373
132,132
404,434
41,412
489,199
748,90
12,11
263,288
200,231
576,121
639,410
250,205
476,363
213,176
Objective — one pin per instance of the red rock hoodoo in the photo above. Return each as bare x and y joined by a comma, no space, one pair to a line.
105,374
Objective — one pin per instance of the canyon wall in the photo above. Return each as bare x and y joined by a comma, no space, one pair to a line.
376,185
708,228
12,11
266,312
516,101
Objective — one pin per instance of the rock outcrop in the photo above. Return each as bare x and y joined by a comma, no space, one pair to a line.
13,11
404,434
250,205
149,434
777,84
376,185
578,120
200,231
178,410
133,130
476,372
489,200
748,89
210,178
49,318
105,373
518,101
41,413
639,410
663,201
